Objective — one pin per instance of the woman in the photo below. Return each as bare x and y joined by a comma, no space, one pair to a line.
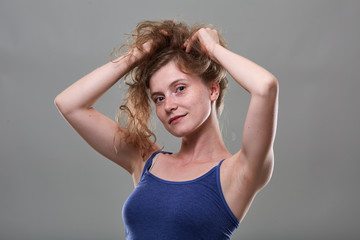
203,191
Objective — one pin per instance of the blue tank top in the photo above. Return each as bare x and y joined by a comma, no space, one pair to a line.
161,210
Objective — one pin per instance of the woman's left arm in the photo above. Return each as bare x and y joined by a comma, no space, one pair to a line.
256,155
260,124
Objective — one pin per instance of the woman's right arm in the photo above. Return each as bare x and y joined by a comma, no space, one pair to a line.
76,105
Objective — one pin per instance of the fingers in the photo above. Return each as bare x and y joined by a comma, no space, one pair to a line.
207,37
189,42
165,33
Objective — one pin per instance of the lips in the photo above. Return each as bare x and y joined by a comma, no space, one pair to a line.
173,119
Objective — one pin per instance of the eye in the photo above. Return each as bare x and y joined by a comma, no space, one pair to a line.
158,99
180,89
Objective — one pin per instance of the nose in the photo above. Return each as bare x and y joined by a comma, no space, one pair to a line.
170,104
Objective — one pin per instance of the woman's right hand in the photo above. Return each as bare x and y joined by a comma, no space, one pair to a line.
135,55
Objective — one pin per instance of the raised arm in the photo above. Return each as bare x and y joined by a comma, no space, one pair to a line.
103,134
256,155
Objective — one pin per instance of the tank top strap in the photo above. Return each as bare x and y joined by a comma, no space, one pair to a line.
149,161
218,166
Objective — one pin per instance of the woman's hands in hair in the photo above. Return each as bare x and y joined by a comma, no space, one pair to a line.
136,54
208,39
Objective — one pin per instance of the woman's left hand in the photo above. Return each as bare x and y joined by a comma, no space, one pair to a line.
208,39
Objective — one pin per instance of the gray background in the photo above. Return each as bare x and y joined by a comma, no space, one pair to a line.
54,186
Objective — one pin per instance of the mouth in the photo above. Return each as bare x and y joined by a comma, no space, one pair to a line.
177,118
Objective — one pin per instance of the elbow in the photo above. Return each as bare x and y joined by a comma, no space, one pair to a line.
269,87
57,102
272,82
61,105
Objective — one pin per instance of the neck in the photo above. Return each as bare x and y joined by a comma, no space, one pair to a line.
205,143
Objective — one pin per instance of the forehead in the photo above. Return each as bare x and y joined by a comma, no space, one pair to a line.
167,75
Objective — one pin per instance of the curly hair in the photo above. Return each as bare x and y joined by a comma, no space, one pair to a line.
167,39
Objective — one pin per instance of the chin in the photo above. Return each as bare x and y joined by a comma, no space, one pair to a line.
180,133
177,134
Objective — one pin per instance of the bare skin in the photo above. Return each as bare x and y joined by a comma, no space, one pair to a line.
186,107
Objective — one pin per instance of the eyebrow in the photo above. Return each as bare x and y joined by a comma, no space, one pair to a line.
171,85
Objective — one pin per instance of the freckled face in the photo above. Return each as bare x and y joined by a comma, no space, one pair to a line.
182,101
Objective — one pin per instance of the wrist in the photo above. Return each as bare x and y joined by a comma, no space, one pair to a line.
129,59
215,56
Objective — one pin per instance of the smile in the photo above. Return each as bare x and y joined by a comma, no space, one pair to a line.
176,119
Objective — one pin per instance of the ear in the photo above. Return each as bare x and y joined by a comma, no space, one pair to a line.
214,90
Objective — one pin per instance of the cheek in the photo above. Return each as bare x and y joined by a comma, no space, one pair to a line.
198,95
202,99
159,114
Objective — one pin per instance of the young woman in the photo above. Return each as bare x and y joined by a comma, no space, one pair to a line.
203,191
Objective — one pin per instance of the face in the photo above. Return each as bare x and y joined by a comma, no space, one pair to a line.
183,101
